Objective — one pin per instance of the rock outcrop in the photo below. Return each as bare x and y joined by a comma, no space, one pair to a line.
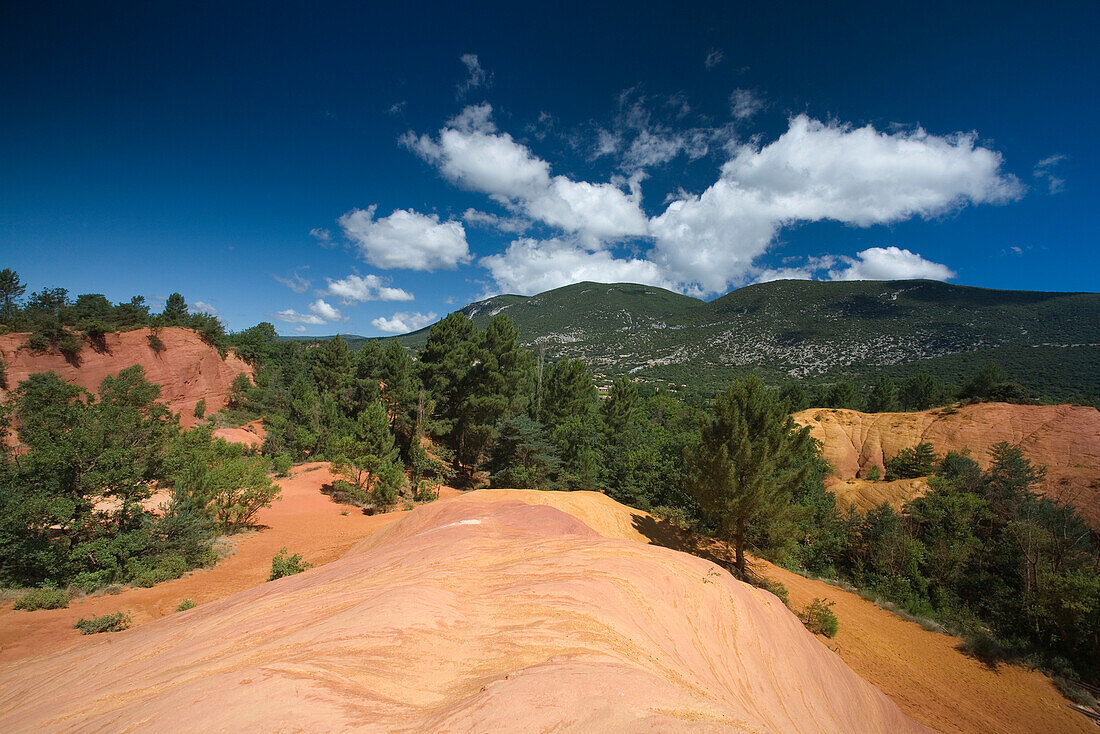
187,369
479,613
1064,438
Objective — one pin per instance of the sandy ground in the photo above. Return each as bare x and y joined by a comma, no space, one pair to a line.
303,521
922,671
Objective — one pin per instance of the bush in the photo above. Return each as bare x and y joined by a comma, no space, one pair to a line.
287,565
675,516
282,464
819,618
874,474
107,623
165,568
774,587
43,597
200,409
185,605
155,343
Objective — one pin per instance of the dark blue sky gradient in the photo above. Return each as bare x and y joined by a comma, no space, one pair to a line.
159,147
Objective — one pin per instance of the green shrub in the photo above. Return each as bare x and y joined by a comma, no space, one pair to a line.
107,623
775,587
43,597
819,618
200,409
874,474
284,564
185,605
155,343
282,464
165,568
676,516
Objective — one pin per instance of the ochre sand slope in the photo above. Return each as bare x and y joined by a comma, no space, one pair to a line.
1064,438
473,615
921,671
188,369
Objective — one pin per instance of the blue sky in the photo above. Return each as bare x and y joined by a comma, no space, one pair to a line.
365,168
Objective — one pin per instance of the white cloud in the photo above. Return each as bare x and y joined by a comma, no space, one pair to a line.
323,236
515,225
365,288
475,75
406,239
470,152
403,322
817,171
1044,171
714,58
531,266
203,307
290,316
744,103
300,329
889,263
321,308
295,282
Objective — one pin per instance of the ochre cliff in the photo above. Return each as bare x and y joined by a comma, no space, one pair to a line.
1064,438
187,369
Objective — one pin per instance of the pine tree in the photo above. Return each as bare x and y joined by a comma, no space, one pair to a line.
368,452
175,310
623,407
747,464
883,397
332,372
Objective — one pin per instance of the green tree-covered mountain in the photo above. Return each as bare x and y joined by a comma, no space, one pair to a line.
822,331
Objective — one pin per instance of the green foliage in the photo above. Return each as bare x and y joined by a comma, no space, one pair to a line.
874,473
991,384
368,453
922,391
284,564
819,618
524,457
844,395
884,397
107,623
218,479
155,342
745,468
282,463
911,463
185,605
200,409
175,311
44,597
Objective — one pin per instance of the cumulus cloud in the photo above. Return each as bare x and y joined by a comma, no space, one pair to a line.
475,75
889,263
300,329
473,154
531,266
514,225
817,171
402,322
1044,172
324,310
406,239
365,288
203,307
744,103
290,316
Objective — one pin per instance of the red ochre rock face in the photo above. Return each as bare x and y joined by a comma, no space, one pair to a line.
477,613
1064,438
187,369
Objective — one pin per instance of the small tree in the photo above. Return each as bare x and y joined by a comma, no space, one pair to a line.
919,461
746,465
368,453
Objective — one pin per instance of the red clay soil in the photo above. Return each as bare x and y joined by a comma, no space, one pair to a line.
303,521
1064,438
250,434
468,614
188,369
405,600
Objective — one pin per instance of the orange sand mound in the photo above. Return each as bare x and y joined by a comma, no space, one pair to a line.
187,370
1064,438
866,495
250,434
475,615
303,520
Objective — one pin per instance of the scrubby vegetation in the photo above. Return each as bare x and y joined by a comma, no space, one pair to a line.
61,324
184,605
74,493
45,597
107,623
819,618
284,564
